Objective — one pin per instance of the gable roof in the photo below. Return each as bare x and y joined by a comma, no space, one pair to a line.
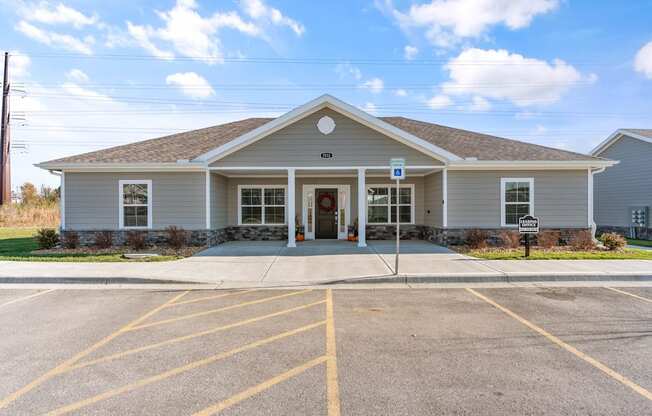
205,145
644,135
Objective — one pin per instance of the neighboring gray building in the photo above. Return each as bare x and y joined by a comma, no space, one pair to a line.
623,194
325,167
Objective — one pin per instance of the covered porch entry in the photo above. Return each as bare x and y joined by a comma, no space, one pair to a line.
323,203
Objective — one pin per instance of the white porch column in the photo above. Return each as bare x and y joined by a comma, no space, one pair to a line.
444,196
362,208
291,208
208,199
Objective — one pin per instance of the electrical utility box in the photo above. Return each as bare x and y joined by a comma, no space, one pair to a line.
639,216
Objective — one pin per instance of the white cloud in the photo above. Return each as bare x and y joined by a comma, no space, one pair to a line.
643,60
480,104
191,84
56,40
370,108
410,52
401,93
439,101
141,35
87,94
346,69
375,85
258,10
193,35
18,64
447,22
77,75
47,13
501,75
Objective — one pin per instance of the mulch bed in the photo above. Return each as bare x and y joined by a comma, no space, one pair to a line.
163,251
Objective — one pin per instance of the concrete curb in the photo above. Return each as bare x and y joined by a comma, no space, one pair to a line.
513,278
93,281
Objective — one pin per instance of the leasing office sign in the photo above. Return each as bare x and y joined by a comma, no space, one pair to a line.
528,225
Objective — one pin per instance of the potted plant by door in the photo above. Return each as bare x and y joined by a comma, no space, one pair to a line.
299,232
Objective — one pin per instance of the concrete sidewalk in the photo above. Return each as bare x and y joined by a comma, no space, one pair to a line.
271,264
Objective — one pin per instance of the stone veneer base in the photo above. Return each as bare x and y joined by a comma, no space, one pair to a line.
441,236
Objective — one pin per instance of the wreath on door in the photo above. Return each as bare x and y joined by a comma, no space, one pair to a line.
326,202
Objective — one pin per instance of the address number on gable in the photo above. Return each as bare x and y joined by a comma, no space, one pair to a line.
326,155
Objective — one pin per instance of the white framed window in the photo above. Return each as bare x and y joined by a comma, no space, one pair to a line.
262,205
382,201
516,200
135,204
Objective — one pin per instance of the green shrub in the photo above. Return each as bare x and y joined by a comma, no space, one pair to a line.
476,239
47,238
177,237
613,241
70,239
104,239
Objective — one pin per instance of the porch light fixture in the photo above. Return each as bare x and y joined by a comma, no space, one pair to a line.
326,125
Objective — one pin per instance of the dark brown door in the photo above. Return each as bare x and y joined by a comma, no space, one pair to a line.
326,220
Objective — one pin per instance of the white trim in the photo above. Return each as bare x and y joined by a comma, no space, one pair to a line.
362,209
342,190
121,184
614,137
290,208
122,167
327,101
208,200
503,181
389,187
527,164
263,168
444,192
591,209
254,186
62,200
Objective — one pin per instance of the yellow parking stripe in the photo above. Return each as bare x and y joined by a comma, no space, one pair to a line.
212,311
185,302
33,295
629,294
63,366
191,336
178,370
260,387
333,391
597,364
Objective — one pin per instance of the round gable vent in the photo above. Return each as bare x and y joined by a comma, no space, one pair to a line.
326,125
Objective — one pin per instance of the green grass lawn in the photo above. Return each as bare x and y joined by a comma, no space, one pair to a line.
518,254
643,243
17,244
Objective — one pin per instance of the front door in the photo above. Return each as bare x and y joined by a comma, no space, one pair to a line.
326,218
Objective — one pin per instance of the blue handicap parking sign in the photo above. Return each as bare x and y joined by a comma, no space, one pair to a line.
398,172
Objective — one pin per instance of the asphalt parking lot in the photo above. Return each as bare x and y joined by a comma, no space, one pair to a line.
553,351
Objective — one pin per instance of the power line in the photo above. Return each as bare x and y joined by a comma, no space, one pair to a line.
302,60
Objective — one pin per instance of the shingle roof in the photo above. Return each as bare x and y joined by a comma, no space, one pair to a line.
641,132
191,144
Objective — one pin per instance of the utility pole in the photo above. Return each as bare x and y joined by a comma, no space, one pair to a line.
5,147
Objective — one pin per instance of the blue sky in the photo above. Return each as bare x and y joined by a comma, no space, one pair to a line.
91,74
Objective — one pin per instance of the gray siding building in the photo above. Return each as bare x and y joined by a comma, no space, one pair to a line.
624,191
321,171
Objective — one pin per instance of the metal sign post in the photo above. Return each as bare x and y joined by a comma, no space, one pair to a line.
397,171
528,225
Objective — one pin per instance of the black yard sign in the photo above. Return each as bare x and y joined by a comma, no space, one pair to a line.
528,225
